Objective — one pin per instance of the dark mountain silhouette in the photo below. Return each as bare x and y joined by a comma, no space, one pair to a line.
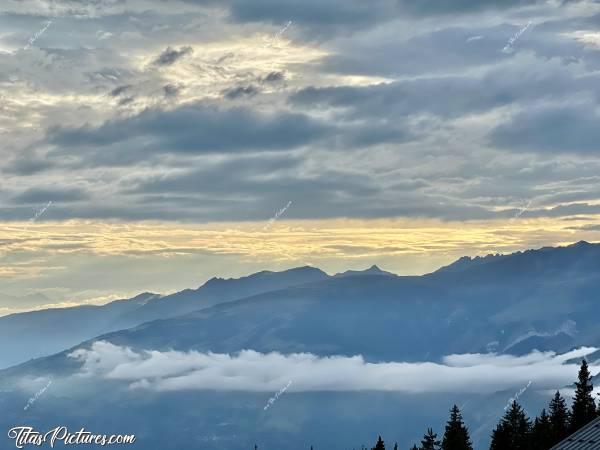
373,270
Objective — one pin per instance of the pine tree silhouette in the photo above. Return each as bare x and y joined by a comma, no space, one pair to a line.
584,406
541,433
379,445
430,441
559,418
456,436
513,431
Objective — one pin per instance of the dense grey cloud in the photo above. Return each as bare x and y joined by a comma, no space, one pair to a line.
329,13
119,90
450,96
335,13
27,164
273,77
552,129
172,90
171,55
456,47
126,100
241,91
337,191
196,129
39,195
384,109
461,6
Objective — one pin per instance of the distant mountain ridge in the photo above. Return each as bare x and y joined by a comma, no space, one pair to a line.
10,304
219,290
29,335
35,333
582,251
510,303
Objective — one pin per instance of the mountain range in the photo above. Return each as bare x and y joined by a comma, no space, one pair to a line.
33,334
536,300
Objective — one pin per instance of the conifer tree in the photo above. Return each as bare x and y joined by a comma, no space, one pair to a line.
456,436
395,446
584,406
559,418
513,431
414,447
541,433
379,445
500,437
430,441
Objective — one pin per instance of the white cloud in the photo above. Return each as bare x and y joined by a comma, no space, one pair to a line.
586,37
252,371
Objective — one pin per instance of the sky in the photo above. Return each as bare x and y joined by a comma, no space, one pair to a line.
149,145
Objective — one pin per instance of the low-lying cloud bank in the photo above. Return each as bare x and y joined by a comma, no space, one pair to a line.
252,371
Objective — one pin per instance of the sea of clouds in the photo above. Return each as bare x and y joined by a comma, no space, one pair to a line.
249,370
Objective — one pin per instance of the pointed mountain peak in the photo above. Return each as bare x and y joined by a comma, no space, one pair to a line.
373,270
581,244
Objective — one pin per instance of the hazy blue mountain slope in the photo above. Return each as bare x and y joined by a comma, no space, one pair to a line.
237,420
522,306
218,290
33,334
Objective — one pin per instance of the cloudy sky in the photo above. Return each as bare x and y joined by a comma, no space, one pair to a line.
148,145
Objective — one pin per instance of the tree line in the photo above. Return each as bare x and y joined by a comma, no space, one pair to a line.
516,431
